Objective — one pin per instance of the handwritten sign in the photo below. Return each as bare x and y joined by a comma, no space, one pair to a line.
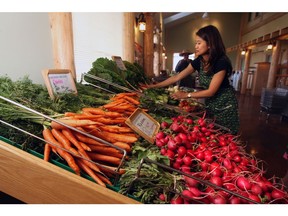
143,124
59,81
119,62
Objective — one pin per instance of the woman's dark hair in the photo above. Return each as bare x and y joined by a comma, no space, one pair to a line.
217,50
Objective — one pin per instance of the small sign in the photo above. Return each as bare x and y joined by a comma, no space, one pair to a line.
59,81
143,124
119,62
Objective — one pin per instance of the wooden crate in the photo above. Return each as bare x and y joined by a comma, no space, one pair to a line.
35,181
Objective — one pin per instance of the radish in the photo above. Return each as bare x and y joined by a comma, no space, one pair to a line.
216,180
162,197
243,183
181,151
177,200
277,194
191,182
164,125
235,200
160,135
163,151
187,160
195,191
255,198
219,200
172,145
188,194
256,189
176,165
170,154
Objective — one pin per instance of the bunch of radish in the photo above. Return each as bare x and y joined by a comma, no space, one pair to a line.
218,168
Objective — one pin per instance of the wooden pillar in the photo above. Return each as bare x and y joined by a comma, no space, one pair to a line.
128,37
271,83
62,41
148,45
246,71
238,60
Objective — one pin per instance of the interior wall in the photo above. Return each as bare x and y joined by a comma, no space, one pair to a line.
182,36
25,45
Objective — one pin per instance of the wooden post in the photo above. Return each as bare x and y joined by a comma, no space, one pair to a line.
245,72
62,41
128,37
148,45
271,83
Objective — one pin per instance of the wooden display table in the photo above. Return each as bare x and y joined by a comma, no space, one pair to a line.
35,181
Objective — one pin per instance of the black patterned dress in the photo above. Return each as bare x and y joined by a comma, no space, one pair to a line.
223,106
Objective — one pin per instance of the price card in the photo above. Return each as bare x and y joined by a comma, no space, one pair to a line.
59,81
119,62
143,124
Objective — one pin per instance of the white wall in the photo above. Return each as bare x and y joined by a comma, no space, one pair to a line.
25,45
96,35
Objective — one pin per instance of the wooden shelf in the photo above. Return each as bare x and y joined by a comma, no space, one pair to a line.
35,181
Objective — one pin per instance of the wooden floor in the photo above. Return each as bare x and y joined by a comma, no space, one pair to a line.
267,140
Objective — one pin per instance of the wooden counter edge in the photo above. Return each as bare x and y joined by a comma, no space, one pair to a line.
35,181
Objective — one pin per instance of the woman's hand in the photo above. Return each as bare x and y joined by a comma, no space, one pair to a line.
144,86
179,95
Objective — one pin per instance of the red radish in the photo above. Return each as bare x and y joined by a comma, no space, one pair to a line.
243,183
200,156
256,189
177,139
170,154
176,165
219,200
186,169
181,151
175,127
188,194
191,182
164,125
277,194
159,142
162,197
254,197
204,166
216,172
163,151
160,135
227,163
216,180
237,158
172,145
187,160
196,192
235,200
179,160
177,200
183,136
189,121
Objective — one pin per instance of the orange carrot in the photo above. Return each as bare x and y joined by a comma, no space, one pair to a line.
85,146
104,158
111,169
131,100
70,136
90,172
104,179
107,150
47,150
72,123
123,145
114,137
60,137
115,129
111,121
87,140
99,111
48,136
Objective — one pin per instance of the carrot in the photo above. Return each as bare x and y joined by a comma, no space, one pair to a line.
84,116
115,129
127,94
87,140
104,179
70,136
48,136
85,146
114,103
92,166
123,145
47,150
104,158
111,121
72,123
106,150
64,141
106,168
90,172
99,111
114,137
131,100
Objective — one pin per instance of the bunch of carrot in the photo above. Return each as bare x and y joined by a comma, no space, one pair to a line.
83,153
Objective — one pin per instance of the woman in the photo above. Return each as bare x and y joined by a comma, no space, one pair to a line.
214,69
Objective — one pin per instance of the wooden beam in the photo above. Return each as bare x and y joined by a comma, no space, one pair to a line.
62,41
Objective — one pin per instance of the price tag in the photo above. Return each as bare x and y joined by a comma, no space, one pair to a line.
119,62
59,81
143,124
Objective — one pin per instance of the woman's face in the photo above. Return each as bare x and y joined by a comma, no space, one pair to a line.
201,47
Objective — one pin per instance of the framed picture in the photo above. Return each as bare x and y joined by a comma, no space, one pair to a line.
59,81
